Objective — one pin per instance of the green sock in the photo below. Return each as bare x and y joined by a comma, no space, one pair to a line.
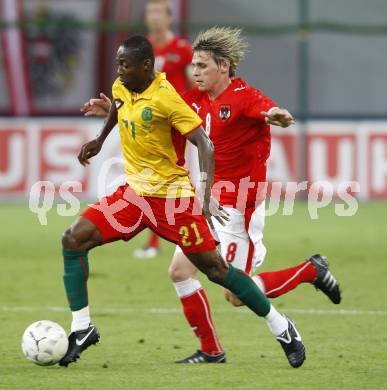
246,290
76,273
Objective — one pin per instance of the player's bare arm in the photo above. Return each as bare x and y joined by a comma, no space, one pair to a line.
278,117
206,161
93,147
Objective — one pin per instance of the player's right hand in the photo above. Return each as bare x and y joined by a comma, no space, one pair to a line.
217,211
278,117
97,107
89,150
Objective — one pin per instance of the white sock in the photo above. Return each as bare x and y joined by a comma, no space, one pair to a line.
187,287
259,282
276,322
81,319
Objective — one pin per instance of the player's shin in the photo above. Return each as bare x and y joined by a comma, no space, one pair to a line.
246,290
196,310
277,283
76,273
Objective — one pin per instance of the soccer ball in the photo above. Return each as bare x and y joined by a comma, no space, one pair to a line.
44,343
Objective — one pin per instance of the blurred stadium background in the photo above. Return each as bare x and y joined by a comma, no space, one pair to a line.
325,61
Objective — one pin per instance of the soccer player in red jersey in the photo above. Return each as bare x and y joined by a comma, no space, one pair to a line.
154,124
237,118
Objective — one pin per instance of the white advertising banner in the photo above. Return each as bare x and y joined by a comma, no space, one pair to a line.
46,149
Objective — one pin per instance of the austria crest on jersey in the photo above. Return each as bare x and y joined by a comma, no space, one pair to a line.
224,112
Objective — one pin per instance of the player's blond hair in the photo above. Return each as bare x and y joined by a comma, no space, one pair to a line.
224,43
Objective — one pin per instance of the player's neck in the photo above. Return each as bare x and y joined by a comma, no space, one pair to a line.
145,85
219,88
161,38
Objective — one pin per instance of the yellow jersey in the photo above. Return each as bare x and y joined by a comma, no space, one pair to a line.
153,125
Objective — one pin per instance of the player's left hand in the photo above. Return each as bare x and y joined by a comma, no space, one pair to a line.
278,117
89,150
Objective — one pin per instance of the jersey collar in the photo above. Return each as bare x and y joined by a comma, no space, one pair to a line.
154,86
235,83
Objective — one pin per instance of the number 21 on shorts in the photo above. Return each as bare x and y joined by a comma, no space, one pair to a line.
184,232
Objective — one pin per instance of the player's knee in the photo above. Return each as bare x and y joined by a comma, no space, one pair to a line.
177,273
77,240
236,302
69,240
181,268
230,297
174,273
83,235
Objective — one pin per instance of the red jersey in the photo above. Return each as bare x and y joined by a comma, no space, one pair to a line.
240,136
173,59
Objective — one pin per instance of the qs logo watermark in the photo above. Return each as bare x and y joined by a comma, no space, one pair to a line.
278,197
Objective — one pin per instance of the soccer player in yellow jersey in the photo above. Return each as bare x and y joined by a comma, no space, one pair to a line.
154,123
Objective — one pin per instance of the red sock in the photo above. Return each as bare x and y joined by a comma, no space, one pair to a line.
197,312
154,240
280,282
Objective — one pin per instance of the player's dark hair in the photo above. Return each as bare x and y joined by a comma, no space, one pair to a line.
140,48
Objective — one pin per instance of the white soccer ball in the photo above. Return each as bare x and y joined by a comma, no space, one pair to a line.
44,343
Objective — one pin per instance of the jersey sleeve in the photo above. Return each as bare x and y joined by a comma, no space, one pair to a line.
187,96
117,90
180,115
256,103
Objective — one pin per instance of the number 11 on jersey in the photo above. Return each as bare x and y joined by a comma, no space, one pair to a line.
133,127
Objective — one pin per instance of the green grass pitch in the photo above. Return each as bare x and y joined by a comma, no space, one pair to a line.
143,331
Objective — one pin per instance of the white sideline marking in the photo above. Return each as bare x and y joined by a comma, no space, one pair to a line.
172,310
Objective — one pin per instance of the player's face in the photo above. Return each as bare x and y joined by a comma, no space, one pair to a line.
157,17
207,74
132,73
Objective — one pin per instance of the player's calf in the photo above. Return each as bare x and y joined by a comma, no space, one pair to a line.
212,265
77,240
244,288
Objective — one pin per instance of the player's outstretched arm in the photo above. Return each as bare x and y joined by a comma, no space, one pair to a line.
93,147
206,161
278,117
97,107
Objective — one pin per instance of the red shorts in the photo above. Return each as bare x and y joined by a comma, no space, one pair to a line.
123,214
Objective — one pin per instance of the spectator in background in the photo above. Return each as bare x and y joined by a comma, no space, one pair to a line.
173,54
